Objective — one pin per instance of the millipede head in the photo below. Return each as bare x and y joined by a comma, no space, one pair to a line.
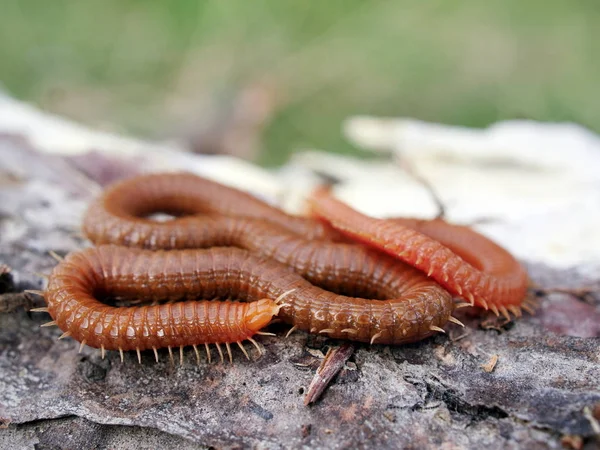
260,313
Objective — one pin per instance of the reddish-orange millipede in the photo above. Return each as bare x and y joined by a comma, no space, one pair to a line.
461,260
82,276
418,307
281,253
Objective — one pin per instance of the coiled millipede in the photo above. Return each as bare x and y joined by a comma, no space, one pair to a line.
316,274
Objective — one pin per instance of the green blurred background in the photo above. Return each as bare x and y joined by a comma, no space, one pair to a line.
262,78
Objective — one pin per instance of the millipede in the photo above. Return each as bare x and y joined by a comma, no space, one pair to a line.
226,264
462,261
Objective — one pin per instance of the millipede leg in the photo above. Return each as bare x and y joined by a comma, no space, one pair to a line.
208,355
229,352
494,309
64,335
260,351
284,295
195,347
456,321
528,308
220,352
515,310
375,337
462,305
294,328
243,349
265,333
326,331
504,312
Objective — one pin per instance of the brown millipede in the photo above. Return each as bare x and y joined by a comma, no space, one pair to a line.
416,311
341,289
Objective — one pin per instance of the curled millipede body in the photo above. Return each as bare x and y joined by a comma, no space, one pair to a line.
119,216
461,260
110,270
225,244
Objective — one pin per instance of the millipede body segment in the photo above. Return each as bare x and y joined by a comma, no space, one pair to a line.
224,244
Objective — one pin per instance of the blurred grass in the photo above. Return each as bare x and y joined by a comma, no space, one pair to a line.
154,68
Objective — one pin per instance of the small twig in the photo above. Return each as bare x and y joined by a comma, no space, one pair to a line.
408,168
331,365
584,294
4,423
587,413
491,364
